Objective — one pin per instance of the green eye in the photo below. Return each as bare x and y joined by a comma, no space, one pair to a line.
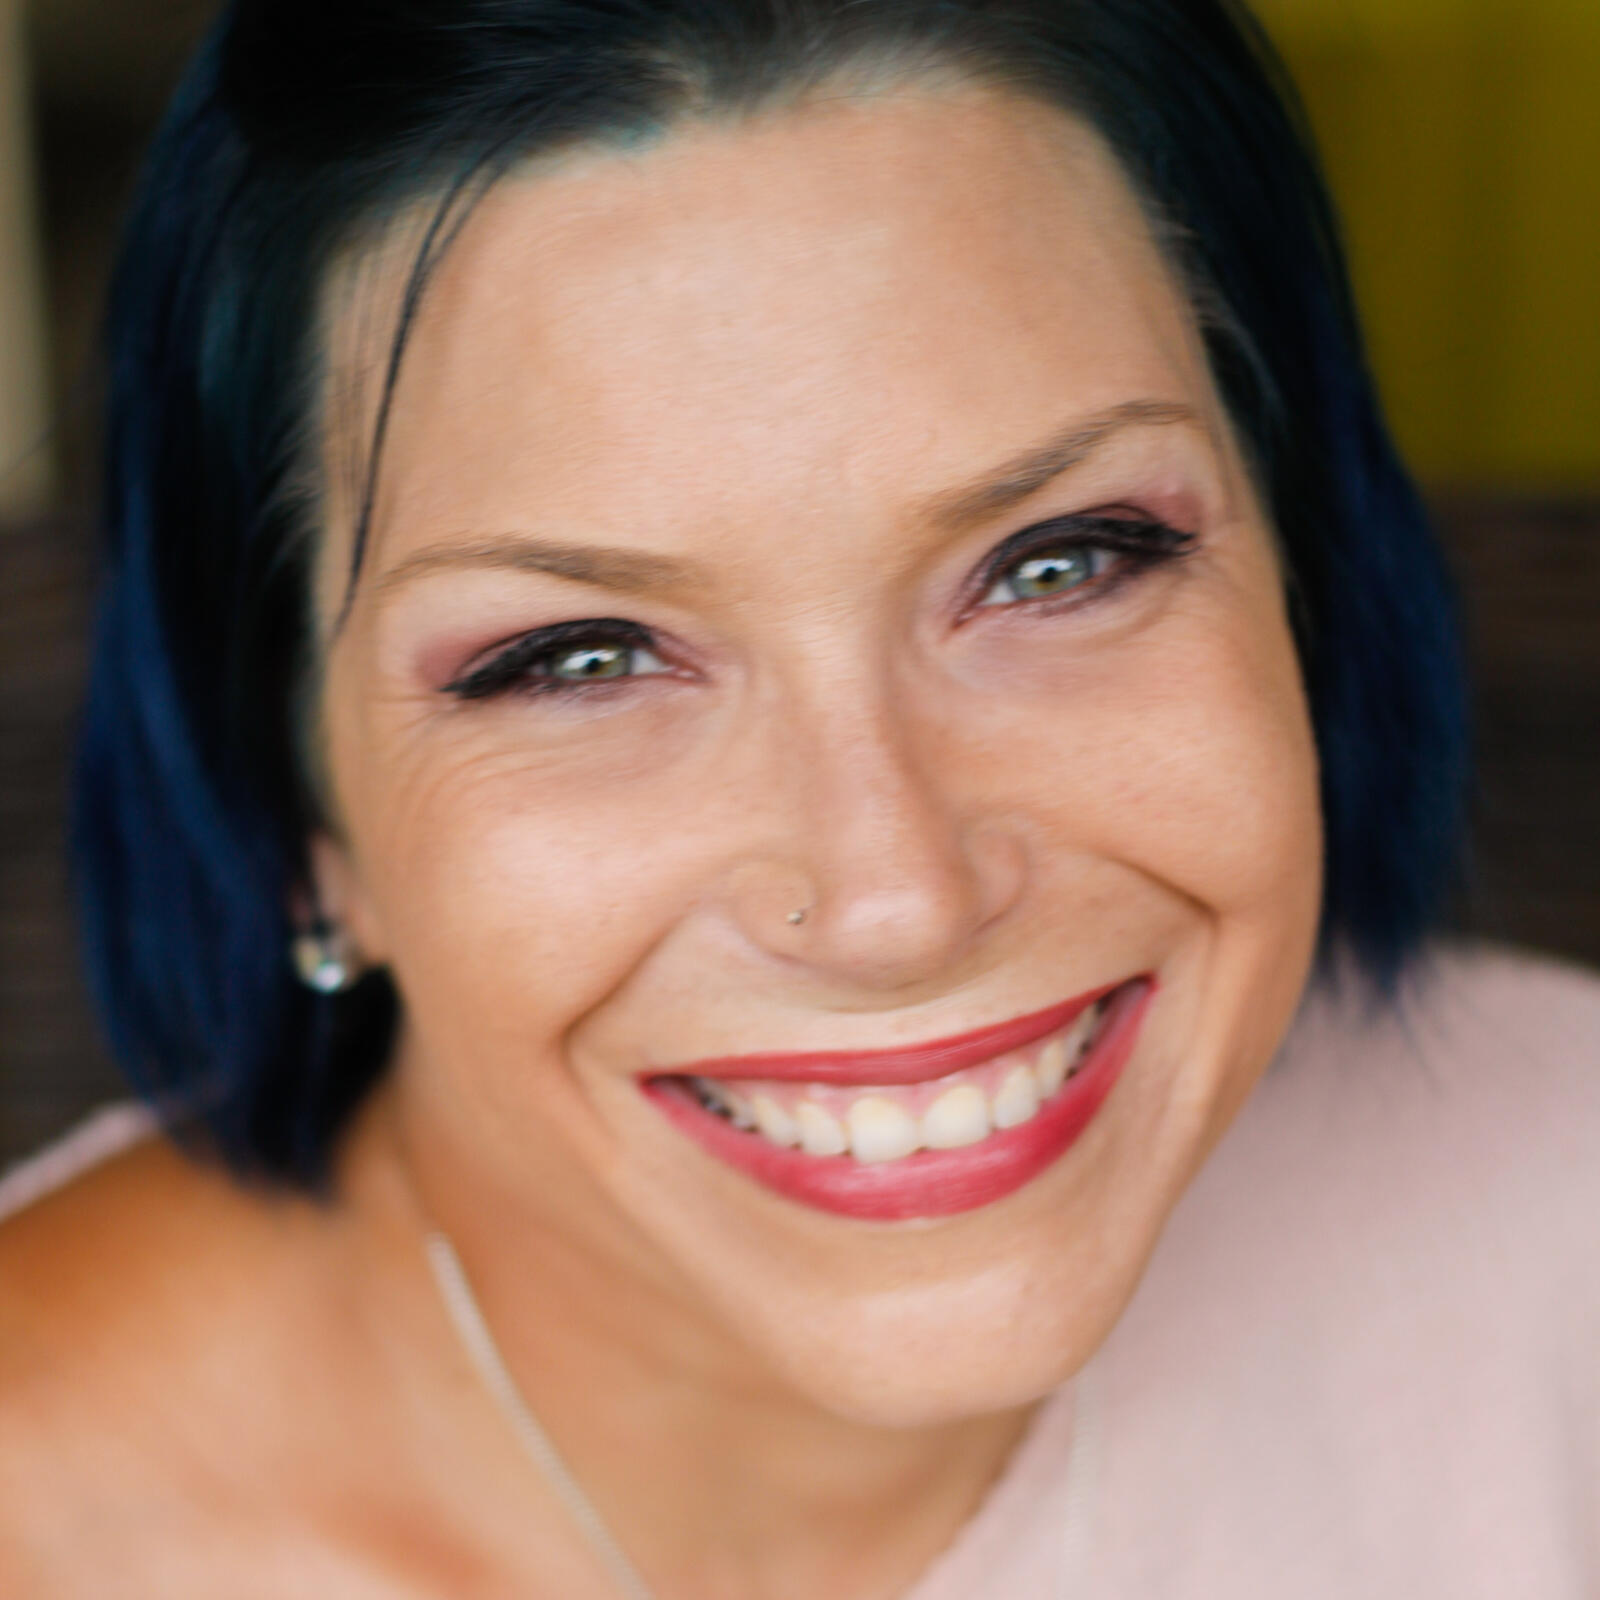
564,658
1051,574
592,661
1041,576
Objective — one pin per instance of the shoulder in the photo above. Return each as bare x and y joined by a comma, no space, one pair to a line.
1486,1060
112,1247
1365,1345
1473,1093
1473,1009
1382,1294
1431,1159
147,1334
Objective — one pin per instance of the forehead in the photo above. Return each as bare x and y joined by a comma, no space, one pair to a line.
830,310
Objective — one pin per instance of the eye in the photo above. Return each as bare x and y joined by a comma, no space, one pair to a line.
1092,553
1055,572
566,658
593,661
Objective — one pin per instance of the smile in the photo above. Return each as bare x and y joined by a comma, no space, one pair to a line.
923,1131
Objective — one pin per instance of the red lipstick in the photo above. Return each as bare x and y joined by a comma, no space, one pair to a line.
929,1183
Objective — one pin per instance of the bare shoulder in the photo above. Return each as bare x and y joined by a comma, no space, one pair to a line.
208,1388
148,1321
132,1261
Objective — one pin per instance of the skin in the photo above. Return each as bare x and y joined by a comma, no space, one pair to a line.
773,357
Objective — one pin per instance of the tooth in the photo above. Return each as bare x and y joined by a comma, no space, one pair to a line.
1051,1067
740,1110
959,1116
880,1130
1081,1031
820,1134
774,1122
1082,1036
711,1094
1017,1100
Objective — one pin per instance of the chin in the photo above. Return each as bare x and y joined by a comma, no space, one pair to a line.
931,1365
931,1322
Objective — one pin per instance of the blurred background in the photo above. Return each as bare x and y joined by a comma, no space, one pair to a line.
1462,138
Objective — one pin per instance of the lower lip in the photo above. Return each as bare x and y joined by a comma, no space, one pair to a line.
931,1183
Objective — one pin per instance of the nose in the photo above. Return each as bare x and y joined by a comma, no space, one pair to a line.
887,850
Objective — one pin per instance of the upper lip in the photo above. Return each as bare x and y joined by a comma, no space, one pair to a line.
904,1063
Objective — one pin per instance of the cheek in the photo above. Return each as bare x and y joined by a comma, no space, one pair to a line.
1188,759
510,893
1224,790
518,879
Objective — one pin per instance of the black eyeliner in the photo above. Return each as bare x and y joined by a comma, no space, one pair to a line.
1134,536
509,668
1144,540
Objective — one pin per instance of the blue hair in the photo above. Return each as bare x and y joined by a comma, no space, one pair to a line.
302,126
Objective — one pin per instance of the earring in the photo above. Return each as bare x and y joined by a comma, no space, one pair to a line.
321,957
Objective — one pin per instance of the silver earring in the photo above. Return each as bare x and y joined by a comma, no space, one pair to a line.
321,957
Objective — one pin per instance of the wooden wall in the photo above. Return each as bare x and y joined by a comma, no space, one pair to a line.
25,467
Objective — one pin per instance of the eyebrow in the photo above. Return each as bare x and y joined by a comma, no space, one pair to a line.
1029,472
641,571
605,566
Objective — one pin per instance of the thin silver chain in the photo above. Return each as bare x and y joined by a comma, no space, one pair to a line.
455,1289
462,1304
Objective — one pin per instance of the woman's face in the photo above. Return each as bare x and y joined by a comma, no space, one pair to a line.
828,513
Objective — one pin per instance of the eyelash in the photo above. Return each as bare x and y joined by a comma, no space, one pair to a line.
1141,542
513,667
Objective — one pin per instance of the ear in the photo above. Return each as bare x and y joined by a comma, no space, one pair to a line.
338,894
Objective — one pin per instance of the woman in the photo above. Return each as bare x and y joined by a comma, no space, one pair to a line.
801,620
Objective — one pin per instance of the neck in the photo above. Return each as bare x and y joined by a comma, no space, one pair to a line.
713,1475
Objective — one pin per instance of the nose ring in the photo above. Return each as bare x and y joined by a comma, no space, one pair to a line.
797,917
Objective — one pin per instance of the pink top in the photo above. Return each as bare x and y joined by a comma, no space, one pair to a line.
1365,1361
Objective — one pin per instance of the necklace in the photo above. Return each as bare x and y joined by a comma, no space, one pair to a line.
467,1315
461,1304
